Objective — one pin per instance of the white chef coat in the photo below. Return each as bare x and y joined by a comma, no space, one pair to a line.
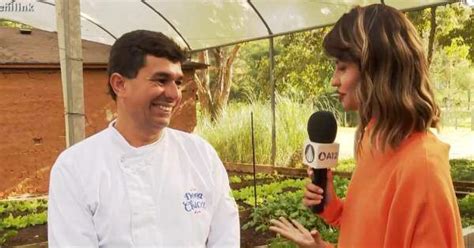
172,193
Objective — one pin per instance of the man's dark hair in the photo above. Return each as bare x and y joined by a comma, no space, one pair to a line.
127,55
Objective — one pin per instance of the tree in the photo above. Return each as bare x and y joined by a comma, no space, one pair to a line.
451,70
458,22
302,70
215,82
439,25
450,46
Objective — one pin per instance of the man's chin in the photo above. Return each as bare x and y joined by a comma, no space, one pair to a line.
160,124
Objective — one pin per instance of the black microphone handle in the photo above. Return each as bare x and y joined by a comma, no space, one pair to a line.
320,178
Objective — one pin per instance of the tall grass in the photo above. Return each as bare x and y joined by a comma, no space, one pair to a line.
231,135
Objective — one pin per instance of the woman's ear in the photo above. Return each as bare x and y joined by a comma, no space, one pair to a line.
117,82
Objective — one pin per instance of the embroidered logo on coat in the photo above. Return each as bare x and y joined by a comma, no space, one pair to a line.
194,201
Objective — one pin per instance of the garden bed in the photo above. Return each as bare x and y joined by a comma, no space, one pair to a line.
277,195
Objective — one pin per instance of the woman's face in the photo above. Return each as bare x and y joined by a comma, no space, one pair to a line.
346,78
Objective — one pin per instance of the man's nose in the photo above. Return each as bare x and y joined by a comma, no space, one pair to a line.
172,91
335,81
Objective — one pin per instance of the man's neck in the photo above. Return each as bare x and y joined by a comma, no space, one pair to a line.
135,136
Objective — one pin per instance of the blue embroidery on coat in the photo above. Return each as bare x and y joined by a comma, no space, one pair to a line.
194,201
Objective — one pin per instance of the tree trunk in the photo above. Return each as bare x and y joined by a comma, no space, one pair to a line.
431,38
202,80
213,96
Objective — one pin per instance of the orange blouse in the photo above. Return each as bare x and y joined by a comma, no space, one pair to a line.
399,198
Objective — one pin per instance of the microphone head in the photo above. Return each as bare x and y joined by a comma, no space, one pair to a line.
322,127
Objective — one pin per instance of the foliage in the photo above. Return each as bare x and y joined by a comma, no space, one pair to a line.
266,192
251,81
231,135
302,71
346,165
22,206
466,208
456,21
462,169
452,21
289,205
23,221
16,215
258,176
235,179
453,76
451,70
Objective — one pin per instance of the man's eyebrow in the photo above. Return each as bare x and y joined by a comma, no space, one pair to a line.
164,75
160,74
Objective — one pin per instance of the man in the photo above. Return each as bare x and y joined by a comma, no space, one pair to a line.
138,183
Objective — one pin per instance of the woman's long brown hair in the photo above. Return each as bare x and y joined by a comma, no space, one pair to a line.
395,88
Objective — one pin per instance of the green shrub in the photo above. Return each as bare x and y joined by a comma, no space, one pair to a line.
466,208
289,205
462,169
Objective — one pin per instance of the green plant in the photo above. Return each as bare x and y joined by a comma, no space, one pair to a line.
235,179
16,215
466,208
267,192
289,205
346,165
23,206
462,169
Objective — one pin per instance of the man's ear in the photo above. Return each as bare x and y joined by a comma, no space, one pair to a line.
117,82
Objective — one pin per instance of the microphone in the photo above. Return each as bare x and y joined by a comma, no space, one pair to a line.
320,152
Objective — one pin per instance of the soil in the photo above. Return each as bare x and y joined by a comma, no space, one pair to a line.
31,235
250,238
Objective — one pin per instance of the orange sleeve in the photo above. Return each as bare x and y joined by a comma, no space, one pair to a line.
424,211
332,212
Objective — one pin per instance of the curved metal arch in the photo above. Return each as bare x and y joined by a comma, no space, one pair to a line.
270,32
169,23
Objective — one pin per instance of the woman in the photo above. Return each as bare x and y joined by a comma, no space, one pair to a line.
401,192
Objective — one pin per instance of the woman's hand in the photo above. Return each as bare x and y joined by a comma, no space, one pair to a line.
297,233
314,194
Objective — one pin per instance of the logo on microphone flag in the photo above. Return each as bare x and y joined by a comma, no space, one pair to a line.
318,155
309,153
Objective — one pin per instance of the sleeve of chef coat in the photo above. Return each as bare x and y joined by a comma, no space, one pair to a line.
69,219
225,227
